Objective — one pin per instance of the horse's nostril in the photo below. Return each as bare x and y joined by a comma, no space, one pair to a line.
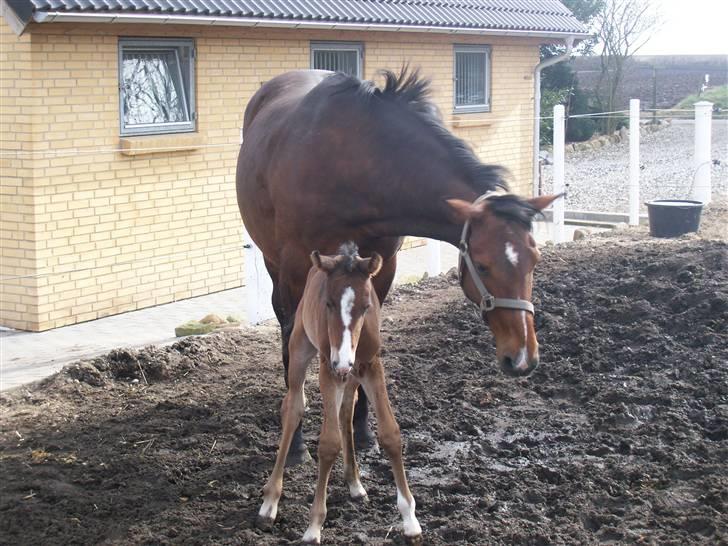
507,362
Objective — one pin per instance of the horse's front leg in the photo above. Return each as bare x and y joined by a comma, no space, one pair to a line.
332,394
372,379
285,310
351,470
292,410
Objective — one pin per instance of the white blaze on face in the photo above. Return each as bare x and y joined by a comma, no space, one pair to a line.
345,353
511,254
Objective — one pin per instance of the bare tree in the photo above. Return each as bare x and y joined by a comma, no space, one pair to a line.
623,27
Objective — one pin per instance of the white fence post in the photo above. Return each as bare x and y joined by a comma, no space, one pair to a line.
559,141
701,163
258,286
634,162
433,257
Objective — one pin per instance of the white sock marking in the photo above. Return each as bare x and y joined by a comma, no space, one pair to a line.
269,509
409,521
356,490
511,254
312,534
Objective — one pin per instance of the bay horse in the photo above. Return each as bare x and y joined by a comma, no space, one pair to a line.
338,317
327,157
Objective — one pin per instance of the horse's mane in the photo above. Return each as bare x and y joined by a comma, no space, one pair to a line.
513,208
411,92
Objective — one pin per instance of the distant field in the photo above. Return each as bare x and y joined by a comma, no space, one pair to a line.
677,77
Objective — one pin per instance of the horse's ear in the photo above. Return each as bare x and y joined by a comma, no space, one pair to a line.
543,201
324,263
463,211
373,265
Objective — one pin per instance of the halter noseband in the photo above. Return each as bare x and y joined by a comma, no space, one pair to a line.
488,302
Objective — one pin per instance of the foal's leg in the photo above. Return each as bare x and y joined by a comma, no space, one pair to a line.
363,437
332,394
291,413
351,470
374,384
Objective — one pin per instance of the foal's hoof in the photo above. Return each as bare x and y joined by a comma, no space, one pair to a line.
264,523
364,439
414,540
294,458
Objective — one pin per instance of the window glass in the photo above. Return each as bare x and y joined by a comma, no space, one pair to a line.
344,58
156,87
472,78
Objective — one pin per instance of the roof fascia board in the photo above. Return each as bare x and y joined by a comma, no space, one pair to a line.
121,17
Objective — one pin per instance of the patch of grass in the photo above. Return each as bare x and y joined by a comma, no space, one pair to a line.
717,95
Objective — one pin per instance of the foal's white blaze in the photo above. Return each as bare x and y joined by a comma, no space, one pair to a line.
409,521
511,254
345,352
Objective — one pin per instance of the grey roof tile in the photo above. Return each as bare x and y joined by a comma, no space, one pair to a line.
533,15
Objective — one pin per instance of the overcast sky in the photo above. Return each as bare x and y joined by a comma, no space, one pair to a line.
690,27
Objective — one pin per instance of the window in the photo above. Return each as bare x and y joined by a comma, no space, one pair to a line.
472,79
337,57
156,86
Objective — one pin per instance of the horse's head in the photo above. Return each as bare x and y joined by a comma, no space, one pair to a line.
497,259
348,295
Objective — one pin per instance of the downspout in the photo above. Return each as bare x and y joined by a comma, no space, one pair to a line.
569,43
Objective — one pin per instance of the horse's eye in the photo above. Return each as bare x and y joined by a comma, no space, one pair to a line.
367,306
330,305
482,270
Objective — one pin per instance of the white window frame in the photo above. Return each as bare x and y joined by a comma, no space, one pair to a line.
129,44
341,46
486,107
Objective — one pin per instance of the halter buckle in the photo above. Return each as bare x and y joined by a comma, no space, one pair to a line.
487,303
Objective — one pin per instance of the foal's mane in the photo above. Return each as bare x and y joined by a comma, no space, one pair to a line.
411,92
350,252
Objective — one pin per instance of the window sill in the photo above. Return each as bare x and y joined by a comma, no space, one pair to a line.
158,144
472,119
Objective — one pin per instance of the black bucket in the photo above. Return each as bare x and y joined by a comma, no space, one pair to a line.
673,217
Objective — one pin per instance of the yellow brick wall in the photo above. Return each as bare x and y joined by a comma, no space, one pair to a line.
103,232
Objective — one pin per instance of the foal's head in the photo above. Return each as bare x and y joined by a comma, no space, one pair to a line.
504,255
348,296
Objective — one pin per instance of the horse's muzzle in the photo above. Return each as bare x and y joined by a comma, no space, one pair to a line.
342,370
518,367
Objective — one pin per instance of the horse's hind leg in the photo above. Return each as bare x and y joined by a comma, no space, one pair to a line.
373,381
351,470
291,413
332,394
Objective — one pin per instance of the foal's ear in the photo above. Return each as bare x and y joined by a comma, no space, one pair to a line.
463,211
543,201
371,266
324,263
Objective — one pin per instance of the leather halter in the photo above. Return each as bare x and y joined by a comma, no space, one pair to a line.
488,302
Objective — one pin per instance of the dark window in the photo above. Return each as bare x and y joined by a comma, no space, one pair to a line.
472,78
337,57
156,86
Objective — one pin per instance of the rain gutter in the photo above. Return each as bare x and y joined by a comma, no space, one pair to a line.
162,19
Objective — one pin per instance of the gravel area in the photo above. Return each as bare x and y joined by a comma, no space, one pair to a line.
598,179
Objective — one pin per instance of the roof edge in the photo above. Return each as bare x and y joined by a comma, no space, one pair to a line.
17,14
122,17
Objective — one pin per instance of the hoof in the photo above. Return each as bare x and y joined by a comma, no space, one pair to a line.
295,458
415,540
263,523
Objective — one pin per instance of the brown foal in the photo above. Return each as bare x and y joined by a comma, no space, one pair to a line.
339,317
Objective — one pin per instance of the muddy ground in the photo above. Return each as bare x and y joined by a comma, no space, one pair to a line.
621,435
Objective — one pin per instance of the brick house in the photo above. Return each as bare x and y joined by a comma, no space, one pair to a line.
120,126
